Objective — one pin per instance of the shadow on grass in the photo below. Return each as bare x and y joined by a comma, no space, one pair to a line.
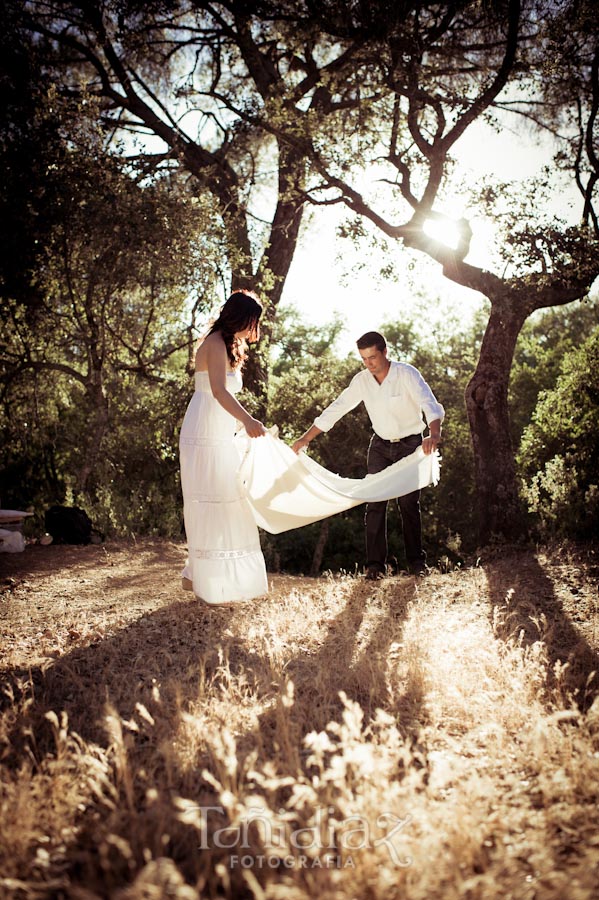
166,658
526,608
158,661
353,659
167,661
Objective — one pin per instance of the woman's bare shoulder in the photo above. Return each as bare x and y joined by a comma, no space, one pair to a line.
212,343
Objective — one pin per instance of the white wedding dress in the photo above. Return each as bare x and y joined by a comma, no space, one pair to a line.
225,563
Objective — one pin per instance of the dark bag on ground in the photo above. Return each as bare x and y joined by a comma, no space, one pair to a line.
68,525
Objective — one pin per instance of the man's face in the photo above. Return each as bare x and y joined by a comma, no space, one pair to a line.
375,361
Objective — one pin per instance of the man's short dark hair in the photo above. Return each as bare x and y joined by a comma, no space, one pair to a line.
372,339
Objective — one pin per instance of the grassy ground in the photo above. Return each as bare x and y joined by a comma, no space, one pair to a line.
339,739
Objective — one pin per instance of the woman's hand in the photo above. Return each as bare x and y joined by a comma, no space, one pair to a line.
254,427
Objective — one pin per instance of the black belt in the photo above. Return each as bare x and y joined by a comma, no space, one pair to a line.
396,440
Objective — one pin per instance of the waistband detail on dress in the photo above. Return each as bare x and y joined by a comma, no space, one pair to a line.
225,554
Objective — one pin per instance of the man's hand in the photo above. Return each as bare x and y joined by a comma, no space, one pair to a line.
305,439
430,443
300,444
433,439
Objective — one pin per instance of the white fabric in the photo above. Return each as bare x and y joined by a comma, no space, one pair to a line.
13,515
395,407
225,562
287,491
11,541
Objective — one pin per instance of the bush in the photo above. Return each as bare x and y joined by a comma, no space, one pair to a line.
559,453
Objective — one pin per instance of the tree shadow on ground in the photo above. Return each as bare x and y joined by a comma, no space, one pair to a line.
178,648
175,659
351,660
124,668
527,609
172,651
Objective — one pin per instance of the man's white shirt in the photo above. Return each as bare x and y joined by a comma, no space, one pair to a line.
395,407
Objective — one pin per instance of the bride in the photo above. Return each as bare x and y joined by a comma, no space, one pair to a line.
225,564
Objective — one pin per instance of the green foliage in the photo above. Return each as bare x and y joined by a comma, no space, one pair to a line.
93,372
542,344
559,453
136,487
295,344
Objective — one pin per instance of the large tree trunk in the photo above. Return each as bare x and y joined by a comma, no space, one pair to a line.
279,252
275,264
98,426
499,509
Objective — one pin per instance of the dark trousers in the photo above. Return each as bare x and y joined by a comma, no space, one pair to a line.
382,454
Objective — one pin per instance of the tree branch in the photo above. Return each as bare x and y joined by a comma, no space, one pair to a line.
498,83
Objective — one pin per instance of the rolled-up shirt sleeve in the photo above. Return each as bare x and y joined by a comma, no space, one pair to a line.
422,393
348,399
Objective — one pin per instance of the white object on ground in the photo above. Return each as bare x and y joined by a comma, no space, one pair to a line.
12,516
11,541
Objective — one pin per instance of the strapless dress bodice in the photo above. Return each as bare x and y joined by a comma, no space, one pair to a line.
234,382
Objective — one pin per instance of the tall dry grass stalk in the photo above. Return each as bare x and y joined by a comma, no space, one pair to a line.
336,741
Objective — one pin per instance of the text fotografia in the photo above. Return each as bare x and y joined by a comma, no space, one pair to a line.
260,861
327,843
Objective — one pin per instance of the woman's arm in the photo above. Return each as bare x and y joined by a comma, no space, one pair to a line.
216,361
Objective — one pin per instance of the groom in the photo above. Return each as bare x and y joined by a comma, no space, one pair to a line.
395,396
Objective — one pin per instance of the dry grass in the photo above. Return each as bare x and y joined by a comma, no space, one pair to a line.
432,739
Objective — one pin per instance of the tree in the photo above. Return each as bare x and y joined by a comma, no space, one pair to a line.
115,281
344,88
423,76
30,153
296,345
190,73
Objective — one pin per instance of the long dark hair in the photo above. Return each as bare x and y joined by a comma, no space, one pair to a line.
242,310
